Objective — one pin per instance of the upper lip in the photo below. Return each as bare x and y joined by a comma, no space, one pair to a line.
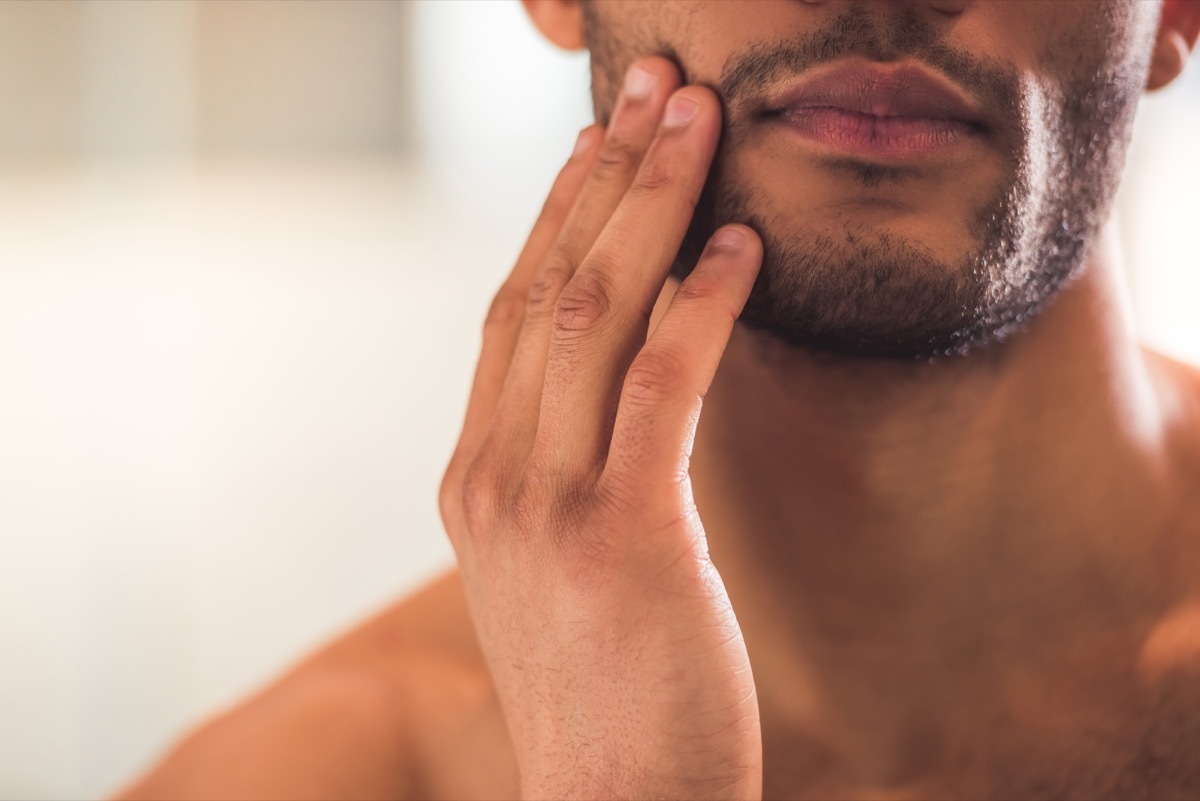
882,91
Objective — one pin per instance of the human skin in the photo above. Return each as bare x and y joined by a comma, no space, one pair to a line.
878,257
972,576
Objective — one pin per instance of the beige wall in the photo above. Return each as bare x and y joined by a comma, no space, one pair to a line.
129,79
283,75
40,86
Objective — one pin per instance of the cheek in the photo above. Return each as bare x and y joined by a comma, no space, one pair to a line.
1064,43
1076,44
1082,66
705,35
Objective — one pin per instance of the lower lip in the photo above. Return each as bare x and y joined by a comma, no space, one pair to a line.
864,134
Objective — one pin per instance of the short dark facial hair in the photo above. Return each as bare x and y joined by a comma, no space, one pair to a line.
882,296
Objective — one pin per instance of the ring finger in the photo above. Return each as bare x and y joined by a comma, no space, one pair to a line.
648,84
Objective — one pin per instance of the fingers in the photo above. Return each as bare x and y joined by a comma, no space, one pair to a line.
507,311
603,312
648,84
663,389
630,132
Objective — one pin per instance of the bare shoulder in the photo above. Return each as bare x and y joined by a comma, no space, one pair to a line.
1178,387
431,623
423,650
390,709
1177,384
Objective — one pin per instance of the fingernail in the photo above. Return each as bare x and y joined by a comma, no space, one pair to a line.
729,239
680,110
639,83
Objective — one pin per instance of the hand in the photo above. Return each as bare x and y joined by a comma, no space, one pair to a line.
615,653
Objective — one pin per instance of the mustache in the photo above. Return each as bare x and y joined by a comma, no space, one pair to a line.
748,75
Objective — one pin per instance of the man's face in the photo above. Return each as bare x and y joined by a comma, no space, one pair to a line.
883,257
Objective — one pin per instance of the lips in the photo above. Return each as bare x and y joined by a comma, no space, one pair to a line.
891,112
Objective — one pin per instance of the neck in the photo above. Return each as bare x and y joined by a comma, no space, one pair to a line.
879,523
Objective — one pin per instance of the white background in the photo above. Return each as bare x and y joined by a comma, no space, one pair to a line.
245,250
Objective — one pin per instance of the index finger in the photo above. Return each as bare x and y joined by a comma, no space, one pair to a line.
605,309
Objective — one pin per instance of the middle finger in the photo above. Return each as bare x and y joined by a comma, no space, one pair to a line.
648,84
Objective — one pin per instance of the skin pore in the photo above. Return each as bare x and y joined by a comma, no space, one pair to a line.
917,541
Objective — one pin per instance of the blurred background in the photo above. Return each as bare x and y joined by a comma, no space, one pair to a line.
245,251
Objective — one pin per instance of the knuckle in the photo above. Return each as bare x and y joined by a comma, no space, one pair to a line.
558,520
544,510
481,496
705,295
656,375
652,179
553,499
693,290
617,158
548,283
528,507
584,303
507,307
561,510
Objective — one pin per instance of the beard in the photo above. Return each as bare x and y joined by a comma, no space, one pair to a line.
875,295
870,293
